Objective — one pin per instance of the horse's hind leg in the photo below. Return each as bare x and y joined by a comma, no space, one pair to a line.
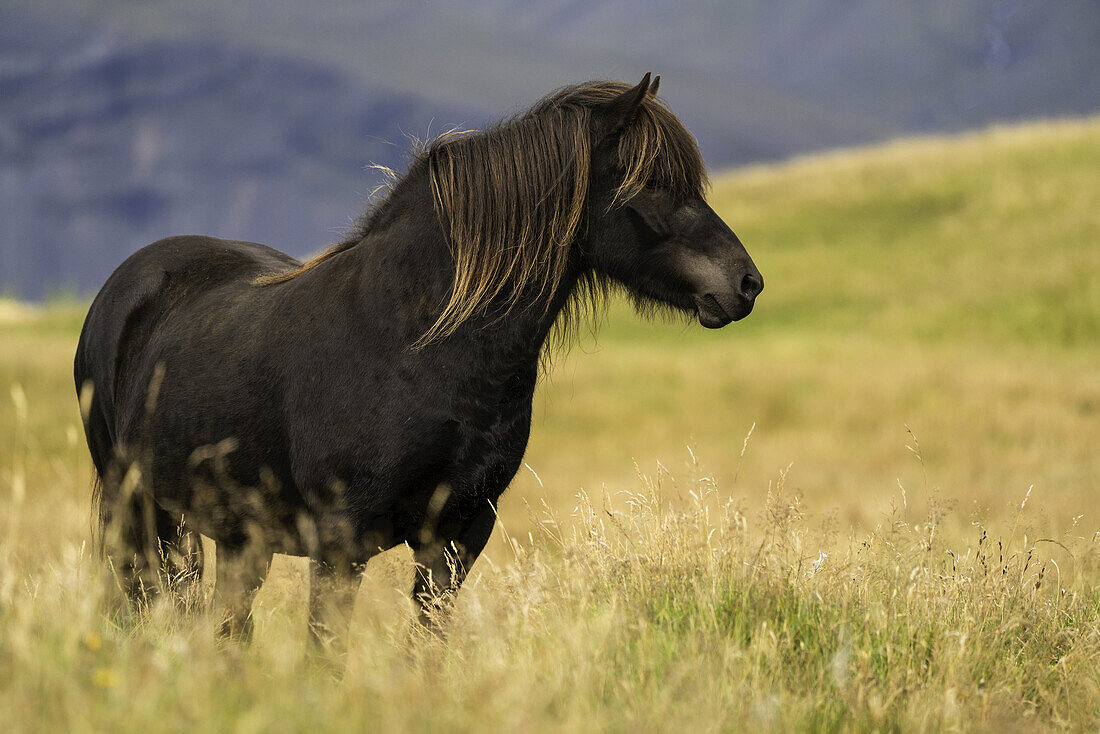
132,545
153,550
241,572
182,559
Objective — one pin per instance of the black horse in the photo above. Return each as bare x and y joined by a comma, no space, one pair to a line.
381,393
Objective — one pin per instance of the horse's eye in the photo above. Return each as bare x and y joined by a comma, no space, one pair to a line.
649,228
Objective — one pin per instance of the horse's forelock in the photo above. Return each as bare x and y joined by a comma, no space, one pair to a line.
655,148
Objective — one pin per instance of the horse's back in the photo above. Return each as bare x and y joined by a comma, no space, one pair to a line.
204,261
134,301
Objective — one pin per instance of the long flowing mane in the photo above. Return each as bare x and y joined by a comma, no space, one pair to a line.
513,198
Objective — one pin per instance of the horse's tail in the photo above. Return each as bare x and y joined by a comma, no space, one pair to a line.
101,506
98,431
104,350
97,358
100,517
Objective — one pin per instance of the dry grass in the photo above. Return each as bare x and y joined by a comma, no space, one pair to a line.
685,609
947,286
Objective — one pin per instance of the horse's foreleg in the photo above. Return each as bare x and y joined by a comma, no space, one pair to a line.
332,589
241,572
443,563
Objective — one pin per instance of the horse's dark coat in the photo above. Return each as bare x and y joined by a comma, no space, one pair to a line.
297,417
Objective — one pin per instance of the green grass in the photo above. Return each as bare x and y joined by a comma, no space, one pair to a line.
828,573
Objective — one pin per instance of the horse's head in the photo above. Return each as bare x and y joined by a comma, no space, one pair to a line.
597,179
649,226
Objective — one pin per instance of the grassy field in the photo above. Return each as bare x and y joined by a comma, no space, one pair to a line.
867,507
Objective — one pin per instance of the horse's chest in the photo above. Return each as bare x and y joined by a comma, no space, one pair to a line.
502,422
491,437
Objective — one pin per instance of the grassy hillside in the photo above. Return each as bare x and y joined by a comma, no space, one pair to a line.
907,538
951,286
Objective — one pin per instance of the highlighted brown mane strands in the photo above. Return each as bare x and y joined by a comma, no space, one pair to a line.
512,199
285,275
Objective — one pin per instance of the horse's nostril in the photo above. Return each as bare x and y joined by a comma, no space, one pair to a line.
751,285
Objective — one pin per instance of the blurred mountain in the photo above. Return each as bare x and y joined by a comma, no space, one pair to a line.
122,121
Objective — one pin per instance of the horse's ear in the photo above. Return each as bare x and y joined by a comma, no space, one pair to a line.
653,87
618,112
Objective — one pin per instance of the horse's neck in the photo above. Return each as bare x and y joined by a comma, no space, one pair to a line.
408,272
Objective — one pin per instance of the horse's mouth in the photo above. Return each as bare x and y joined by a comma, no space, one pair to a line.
713,315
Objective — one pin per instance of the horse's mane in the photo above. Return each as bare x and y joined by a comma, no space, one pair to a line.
513,197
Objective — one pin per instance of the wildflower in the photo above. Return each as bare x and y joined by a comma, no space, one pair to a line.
92,641
103,678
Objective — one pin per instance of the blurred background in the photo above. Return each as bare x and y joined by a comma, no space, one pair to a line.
123,121
939,293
